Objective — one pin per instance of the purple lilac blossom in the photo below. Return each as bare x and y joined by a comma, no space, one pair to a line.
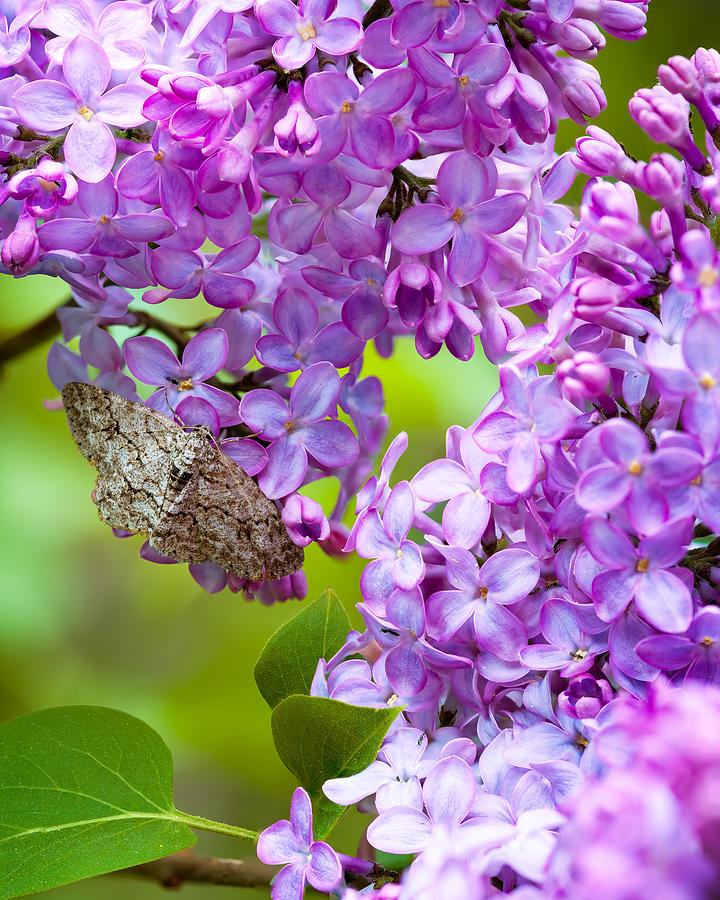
526,591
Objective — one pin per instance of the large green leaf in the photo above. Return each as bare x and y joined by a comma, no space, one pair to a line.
318,738
83,791
289,659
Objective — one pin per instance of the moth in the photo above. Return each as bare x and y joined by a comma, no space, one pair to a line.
176,487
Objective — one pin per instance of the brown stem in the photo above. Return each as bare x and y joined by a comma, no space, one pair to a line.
173,871
36,334
179,336
380,9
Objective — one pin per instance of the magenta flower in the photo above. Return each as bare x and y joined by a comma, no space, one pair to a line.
467,210
153,362
83,106
44,188
291,842
305,27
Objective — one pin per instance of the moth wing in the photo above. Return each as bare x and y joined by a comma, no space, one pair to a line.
132,447
223,516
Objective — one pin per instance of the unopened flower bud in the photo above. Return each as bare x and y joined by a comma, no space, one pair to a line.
21,249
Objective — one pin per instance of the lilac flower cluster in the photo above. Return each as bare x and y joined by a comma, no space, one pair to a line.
524,593
396,161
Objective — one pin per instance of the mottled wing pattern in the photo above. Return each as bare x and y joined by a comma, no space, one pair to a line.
131,446
194,503
224,516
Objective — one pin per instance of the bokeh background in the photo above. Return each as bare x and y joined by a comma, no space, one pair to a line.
84,620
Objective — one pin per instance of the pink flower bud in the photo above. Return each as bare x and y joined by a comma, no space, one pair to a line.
305,520
582,376
21,249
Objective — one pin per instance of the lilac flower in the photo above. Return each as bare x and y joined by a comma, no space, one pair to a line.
153,362
363,119
535,416
363,310
448,795
467,512
642,574
397,561
185,274
304,28
119,29
159,176
291,842
402,631
21,248
304,519
463,92
416,21
649,812
204,13
468,208
297,130
299,342
295,225
585,696
482,594
569,647
84,106
44,188
626,471
665,117
102,230
394,777
697,651
301,430
14,41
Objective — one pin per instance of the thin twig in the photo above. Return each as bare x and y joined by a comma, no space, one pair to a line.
173,871
380,9
32,337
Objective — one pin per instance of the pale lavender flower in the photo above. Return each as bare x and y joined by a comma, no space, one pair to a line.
291,842
84,105
305,27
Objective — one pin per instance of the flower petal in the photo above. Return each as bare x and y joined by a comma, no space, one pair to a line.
90,149
87,69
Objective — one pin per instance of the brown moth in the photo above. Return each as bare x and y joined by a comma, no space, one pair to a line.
175,486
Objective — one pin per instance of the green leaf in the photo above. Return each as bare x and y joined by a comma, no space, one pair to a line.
394,861
318,738
83,791
288,661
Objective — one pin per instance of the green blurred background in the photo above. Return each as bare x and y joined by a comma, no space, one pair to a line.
84,620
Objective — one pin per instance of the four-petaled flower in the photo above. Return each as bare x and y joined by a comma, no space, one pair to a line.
83,105
291,842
